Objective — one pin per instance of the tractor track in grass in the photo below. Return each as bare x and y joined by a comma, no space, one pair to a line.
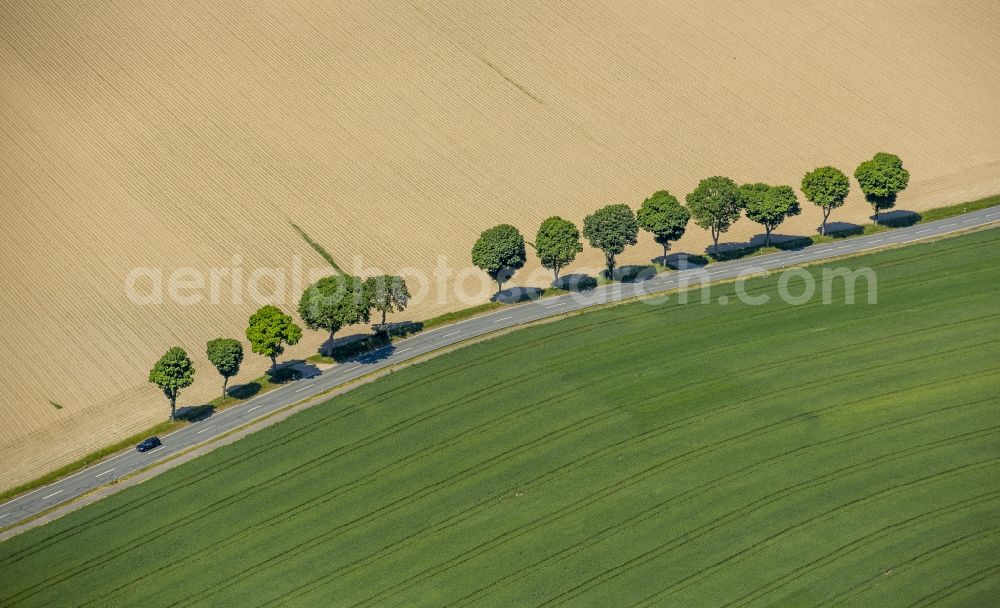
166,528
657,552
300,470
929,555
590,499
214,506
860,543
960,585
641,438
747,552
691,493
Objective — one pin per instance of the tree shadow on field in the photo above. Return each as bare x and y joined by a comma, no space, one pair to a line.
331,345
840,230
194,413
731,250
683,261
633,273
359,348
243,391
575,282
369,347
515,295
784,242
296,369
735,250
378,352
898,218
400,329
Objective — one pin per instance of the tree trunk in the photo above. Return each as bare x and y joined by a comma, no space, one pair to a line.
715,240
556,272
274,364
610,260
173,407
666,246
767,236
826,215
876,214
499,286
225,381
383,319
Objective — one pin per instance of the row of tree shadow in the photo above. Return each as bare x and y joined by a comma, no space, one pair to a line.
786,242
682,261
369,348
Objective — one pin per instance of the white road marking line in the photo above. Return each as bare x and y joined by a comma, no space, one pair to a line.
26,495
503,319
876,240
351,369
200,432
923,231
52,494
452,333
254,407
554,305
948,225
403,350
154,449
81,472
303,388
4,515
104,473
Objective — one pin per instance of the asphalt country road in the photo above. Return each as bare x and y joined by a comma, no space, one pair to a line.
130,461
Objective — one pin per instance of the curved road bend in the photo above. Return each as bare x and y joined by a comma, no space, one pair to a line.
127,462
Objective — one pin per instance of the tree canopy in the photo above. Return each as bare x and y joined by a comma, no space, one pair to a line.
611,229
769,205
557,243
881,179
664,216
269,330
333,302
387,293
715,205
500,252
171,373
226,354
826,187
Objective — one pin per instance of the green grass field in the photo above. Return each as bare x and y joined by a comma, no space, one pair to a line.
640,455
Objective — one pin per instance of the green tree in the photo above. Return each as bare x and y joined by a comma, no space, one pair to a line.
881,179
826,187
557,243
715,205
226,354
269,330
500,252
171,373
611,229
335,301
769,205
387,293
664,216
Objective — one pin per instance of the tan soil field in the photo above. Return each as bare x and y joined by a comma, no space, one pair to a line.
182,134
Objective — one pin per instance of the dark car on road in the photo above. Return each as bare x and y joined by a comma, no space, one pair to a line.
148,444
